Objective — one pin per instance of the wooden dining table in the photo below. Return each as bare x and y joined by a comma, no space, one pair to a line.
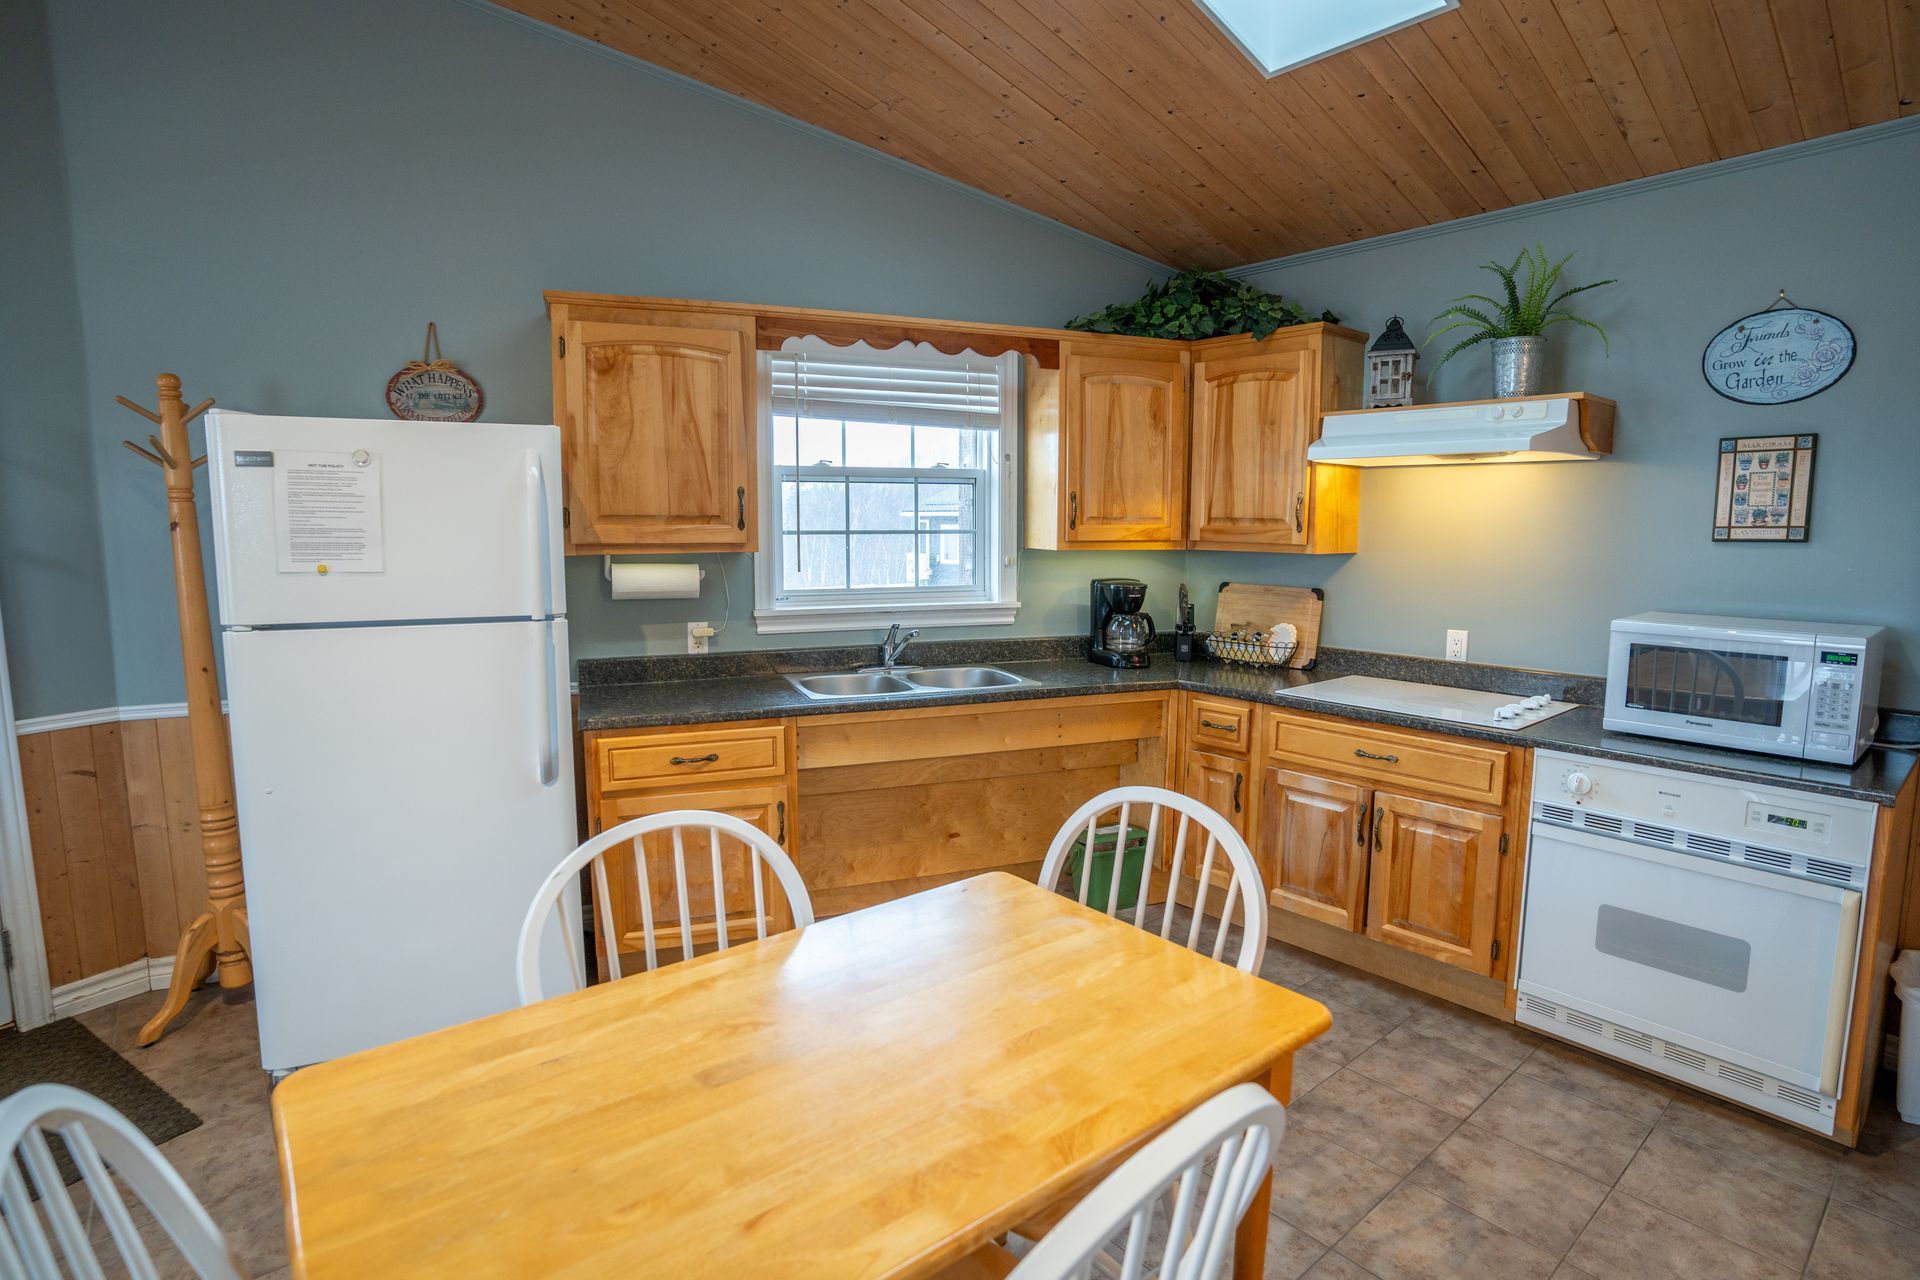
878,1094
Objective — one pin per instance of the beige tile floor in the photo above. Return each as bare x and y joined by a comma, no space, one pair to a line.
1424,1142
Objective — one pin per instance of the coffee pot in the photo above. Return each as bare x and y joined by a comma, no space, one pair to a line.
1119,634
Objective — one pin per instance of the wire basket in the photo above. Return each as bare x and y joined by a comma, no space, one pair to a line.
1251,648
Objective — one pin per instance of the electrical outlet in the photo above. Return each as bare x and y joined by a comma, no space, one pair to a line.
697,633
1456,645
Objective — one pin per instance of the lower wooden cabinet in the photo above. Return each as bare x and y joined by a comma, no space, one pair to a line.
1371,839
1313,845
1221,783
1435,879
766,807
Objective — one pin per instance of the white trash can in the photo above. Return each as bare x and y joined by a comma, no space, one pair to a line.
1906,985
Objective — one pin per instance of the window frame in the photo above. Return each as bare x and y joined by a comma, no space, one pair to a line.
997,543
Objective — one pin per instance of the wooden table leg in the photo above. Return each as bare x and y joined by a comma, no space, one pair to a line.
1250,1237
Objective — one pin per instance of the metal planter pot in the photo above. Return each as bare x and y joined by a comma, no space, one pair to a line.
1519,366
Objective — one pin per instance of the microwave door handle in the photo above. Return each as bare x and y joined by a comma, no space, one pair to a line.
1840,1000
540,569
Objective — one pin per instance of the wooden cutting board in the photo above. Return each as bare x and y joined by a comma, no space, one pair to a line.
1248,606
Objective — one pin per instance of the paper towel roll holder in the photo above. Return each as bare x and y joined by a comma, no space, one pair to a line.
606,569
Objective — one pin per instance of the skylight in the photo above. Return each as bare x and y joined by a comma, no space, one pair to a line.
1280,35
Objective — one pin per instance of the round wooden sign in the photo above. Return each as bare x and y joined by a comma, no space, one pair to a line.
1778,356
435,392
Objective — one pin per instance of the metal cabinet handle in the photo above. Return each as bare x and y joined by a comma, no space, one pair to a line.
1378,813
709,758
1237,779
1223,728
1368,755
1073,509
1360,825
781,809
740,495
1300,512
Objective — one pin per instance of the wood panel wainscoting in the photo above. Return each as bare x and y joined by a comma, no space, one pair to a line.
114,821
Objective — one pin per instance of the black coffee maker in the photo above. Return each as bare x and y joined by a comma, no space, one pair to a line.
1119,634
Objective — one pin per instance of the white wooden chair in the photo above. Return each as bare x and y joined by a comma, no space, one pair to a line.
103,1144
662,873
1200,1207
1195,857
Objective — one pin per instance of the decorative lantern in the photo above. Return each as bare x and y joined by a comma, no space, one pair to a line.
1390,368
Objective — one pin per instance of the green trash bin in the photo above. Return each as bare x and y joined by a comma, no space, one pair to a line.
1100,873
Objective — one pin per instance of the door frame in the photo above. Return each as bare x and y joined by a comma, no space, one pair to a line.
29,981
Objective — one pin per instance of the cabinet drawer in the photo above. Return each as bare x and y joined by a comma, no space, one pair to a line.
1424,762
1218,725
696,756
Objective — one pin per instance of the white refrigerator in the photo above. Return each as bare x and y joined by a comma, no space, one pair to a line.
393,619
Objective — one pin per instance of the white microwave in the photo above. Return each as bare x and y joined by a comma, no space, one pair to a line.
1810,690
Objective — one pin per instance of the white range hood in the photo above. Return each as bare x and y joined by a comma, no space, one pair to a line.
1562,428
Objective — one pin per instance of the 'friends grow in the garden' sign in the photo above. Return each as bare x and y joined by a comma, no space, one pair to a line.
1777,356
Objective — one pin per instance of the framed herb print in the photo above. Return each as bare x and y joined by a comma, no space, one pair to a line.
1764,488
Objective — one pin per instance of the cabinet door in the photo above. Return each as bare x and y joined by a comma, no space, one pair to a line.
1435,879
659,435
1220,782
1126,469
764,807
1313,846
1251,426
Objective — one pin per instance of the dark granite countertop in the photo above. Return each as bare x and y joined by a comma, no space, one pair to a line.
621,693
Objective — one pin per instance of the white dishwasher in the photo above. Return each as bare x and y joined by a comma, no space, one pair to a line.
1697,927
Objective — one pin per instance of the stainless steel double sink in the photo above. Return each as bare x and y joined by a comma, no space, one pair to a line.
904,682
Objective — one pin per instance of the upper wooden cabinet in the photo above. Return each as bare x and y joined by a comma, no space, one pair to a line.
656,413
1107,447
1256,408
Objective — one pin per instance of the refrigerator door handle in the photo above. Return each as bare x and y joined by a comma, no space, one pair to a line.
551,669
541,580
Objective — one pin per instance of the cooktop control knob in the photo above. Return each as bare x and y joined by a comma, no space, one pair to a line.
1537,701
1505,713
1579,784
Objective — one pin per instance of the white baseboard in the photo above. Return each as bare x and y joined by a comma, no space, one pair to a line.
133,979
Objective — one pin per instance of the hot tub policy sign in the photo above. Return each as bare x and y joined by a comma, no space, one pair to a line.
1779,355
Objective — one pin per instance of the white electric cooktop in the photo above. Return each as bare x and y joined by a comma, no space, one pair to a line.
1437,702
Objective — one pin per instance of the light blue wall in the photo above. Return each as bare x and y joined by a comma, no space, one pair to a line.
273,200
52,596
1534,560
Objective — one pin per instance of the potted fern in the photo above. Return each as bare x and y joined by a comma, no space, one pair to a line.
1517,325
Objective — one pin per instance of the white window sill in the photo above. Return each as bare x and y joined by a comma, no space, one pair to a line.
870,617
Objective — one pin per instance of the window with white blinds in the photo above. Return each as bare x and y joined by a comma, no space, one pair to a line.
890,487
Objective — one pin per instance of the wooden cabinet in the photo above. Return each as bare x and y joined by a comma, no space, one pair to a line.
656,412
1256,408
1107,445
1313,845
1396,834
741,769
1221,783
1435,879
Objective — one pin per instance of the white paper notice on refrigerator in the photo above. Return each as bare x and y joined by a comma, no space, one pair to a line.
327,512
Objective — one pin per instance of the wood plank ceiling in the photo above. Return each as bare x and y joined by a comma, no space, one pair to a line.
1140,122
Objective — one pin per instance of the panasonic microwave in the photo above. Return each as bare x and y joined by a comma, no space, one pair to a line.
1801,689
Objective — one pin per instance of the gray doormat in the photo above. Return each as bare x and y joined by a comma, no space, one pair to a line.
65,1052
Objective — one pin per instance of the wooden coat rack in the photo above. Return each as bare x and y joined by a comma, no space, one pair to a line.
217,938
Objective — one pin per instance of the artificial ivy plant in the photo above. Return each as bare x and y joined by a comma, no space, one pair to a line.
1198,304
